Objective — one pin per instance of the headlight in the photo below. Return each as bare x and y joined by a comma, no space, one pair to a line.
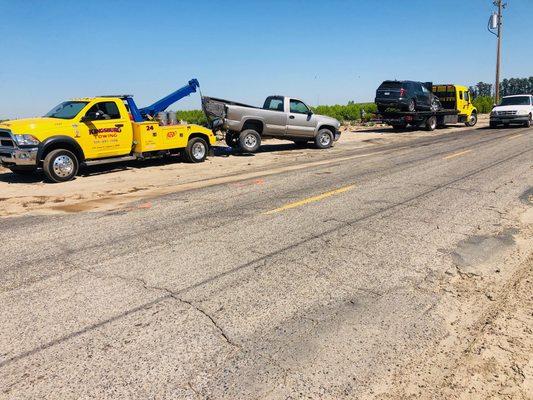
493,113
522,112
26,140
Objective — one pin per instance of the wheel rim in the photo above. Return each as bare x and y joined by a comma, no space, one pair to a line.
324,139
63,166
473,119
198,150
433,123
250,141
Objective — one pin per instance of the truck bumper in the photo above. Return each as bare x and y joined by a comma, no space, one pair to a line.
10,156
511,119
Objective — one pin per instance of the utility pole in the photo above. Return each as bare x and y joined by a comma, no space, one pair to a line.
497,24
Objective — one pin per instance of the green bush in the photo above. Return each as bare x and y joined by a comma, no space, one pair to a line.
483,104
348,113
192,117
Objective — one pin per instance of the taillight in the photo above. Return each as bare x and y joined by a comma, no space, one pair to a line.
402,92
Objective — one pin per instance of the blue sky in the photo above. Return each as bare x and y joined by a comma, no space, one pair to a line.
321,51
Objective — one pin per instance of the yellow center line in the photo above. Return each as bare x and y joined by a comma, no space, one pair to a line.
310,199
457,154
514,136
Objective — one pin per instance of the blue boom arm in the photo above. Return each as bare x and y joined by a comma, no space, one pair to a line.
161,105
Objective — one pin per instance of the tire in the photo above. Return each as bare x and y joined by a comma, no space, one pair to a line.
472,121
60,165
249,140
431,124
196,150
528,123
232,140
506,124
23,170
493,125
324,139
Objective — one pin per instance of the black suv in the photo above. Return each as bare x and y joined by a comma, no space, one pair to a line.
406,96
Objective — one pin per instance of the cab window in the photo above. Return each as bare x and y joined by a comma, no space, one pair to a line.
467,96
460,95
103,111
298,107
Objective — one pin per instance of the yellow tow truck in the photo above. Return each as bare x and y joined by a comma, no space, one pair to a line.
457,97
99,130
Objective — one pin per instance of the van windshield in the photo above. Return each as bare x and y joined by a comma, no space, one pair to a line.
515,101
66,110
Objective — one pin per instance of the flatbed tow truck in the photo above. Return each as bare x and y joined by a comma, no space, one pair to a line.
457,108
100,130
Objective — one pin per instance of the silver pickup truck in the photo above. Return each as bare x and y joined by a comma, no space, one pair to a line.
280,117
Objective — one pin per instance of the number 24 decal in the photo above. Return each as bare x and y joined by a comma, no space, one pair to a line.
150,128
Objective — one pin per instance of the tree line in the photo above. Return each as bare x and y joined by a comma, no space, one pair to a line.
508,87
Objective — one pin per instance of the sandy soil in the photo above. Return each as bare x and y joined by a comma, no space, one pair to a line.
116,185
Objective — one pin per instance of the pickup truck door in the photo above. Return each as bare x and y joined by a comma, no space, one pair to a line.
301,122
105,130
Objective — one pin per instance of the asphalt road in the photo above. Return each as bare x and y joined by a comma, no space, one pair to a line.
314,283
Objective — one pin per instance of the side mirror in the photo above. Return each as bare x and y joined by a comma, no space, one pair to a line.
309,113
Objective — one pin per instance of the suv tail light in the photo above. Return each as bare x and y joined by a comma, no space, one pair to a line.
402,92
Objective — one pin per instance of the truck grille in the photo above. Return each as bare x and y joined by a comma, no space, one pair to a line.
5,139
507,113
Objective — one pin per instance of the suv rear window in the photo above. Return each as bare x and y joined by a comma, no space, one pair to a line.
390,85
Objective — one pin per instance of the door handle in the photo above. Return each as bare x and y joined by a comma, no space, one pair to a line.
291,117
119,125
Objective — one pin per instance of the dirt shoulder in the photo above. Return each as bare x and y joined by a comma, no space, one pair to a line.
116,185
488,350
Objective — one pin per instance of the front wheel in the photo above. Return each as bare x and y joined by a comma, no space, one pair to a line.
472,120
324,139
493,125
196,150
60,165
249,140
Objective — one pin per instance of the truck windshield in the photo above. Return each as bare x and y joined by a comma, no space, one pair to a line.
66,110
515,101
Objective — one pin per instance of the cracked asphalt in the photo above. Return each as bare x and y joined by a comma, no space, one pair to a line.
208,294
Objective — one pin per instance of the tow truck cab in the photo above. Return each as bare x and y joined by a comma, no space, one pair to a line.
457,97
89,131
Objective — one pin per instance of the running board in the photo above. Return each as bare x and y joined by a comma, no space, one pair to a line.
109,160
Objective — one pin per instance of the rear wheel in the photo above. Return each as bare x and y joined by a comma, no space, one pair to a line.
249,140
324,139
196,150
472,120
60,165
431,123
